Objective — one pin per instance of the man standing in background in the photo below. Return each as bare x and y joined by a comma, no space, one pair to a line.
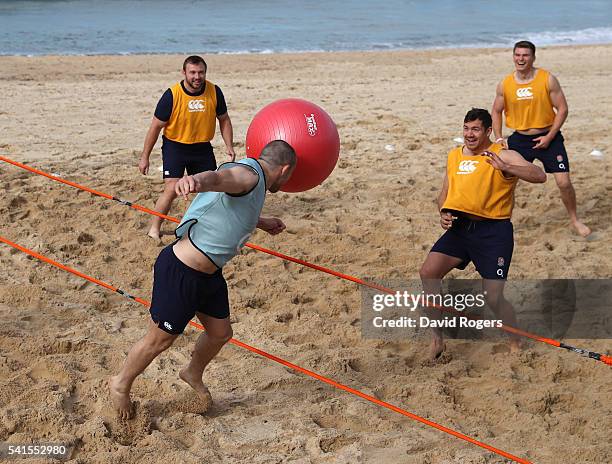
536,108
187,112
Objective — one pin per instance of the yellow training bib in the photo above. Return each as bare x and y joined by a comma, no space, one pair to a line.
476,187
528,106
193,118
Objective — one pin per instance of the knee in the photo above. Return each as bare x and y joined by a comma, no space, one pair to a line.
428,272
564,184
425,272
169,190
221,337
159,344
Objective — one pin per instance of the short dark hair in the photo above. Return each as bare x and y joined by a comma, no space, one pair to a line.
279,153
524,44
194,59
480,115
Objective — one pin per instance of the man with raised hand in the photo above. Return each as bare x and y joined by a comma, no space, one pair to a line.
475,205
187,277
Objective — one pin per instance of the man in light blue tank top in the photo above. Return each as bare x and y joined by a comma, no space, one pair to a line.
187,275
219,224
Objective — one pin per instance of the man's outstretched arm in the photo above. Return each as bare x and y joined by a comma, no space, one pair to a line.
512,164
235,180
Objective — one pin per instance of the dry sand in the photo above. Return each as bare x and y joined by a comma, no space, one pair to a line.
60,338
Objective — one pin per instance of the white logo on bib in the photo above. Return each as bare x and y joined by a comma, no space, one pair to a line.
195,105
467,167
524,93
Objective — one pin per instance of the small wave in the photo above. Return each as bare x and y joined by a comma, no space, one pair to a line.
593,35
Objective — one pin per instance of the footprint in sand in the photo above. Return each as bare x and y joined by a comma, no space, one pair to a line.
500,348
444,358
17,202
188,402
85,239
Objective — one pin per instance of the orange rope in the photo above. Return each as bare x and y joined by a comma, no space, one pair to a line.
590,354
288,364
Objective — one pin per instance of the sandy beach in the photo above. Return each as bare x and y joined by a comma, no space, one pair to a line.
85,118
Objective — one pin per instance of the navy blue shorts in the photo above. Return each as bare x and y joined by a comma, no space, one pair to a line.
178,157
488,243
554,158
180,291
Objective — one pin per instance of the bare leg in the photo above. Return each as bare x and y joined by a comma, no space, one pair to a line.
502,308
140,356
568,196
162,205
435,267
209,343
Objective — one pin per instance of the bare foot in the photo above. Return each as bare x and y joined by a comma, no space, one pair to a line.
198,386
582,229
155,235
121,399
436,349
515,345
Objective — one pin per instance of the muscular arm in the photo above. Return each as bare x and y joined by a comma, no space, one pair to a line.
443,192
227,132
497,112
235,180
557,97
149,143
446,217
512,164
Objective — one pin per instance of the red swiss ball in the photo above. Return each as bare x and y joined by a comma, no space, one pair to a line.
308,129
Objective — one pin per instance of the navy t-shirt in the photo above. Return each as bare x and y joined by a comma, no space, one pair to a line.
164,105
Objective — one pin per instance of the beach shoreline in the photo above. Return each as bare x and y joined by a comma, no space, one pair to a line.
475,47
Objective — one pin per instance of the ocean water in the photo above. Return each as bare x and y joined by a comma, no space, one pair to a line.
265,26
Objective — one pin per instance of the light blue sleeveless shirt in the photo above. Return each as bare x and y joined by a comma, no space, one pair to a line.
219,224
